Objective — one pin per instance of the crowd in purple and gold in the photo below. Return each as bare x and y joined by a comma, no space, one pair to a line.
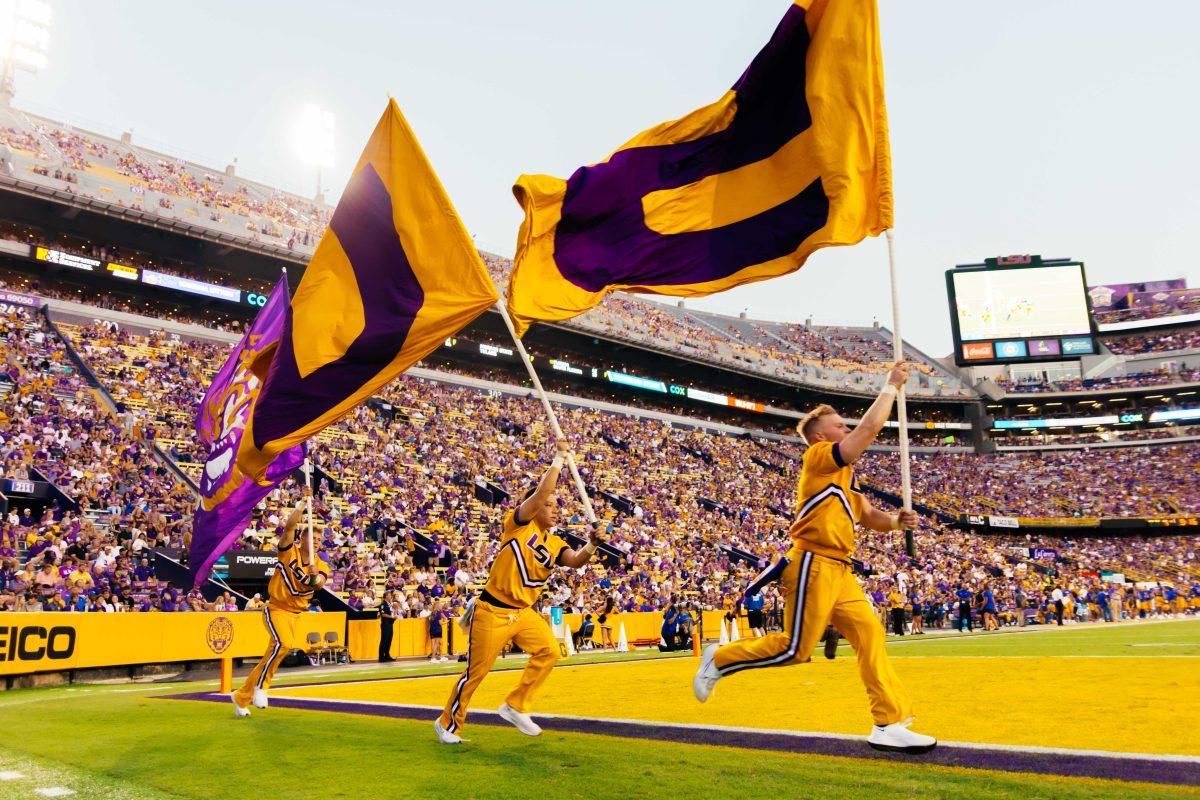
411,497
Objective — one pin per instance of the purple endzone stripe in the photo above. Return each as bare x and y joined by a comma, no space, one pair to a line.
1118,768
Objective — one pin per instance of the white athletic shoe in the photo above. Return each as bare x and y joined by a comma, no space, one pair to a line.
520,721
706,675
238,711
260,698
445,736
897,738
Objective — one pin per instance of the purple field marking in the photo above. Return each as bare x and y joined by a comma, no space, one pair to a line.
1163,770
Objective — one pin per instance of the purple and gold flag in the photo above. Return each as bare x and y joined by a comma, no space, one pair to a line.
395,274
793,158
227,497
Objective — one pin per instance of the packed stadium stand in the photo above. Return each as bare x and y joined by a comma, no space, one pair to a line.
117,172
694,510
1149,337
690,456
40,155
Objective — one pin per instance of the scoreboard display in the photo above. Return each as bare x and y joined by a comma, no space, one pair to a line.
1020,309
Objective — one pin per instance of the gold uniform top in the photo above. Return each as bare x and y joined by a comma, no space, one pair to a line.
827,504
286,591
525,562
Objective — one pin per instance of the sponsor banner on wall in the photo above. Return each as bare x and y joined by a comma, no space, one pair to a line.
1060,522
1003,522
1111,296
20,299
1168,301
250,565
54,642
67,259
191,286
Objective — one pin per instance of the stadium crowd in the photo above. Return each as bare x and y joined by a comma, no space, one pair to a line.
411,497
1158,342
1097,482
124,174
88,548
1159,377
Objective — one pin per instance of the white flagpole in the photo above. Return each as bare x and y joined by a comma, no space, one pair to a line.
901,406
308,472
554,426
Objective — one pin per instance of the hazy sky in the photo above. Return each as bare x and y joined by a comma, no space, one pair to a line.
1045,126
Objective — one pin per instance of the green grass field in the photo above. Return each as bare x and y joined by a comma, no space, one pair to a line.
121,742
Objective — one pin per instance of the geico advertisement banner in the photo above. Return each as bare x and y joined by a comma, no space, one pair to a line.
51,642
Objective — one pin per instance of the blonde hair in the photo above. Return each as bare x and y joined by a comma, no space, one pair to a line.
823,410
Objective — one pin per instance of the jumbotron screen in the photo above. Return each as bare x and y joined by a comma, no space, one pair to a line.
1011,311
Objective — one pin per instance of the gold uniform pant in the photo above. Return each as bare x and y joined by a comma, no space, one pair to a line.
281,626
818,590
492,628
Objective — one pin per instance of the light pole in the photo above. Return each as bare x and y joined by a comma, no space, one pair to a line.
24,41
314,139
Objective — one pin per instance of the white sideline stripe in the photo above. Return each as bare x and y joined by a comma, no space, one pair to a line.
560,665
24,701
947,635
1166,644
54,791
10,775
849,737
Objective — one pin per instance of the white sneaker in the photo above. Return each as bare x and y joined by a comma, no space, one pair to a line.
521,721
706,675
260,698
897,738
238,711
445,736
443,658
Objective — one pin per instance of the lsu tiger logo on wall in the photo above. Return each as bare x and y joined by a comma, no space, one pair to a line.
219,634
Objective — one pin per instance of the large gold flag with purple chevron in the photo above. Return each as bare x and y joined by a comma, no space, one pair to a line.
793,158
394,275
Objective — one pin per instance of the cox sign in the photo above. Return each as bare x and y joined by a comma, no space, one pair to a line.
255,299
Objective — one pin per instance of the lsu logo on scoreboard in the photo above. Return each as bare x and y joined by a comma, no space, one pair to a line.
219,635
34,642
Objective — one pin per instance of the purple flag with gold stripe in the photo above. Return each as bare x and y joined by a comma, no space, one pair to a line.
395,274
794,157
227,497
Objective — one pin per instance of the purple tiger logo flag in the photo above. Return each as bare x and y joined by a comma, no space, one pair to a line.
793,158
227,497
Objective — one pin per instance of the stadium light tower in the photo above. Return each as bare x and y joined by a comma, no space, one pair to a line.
24,41
314,139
